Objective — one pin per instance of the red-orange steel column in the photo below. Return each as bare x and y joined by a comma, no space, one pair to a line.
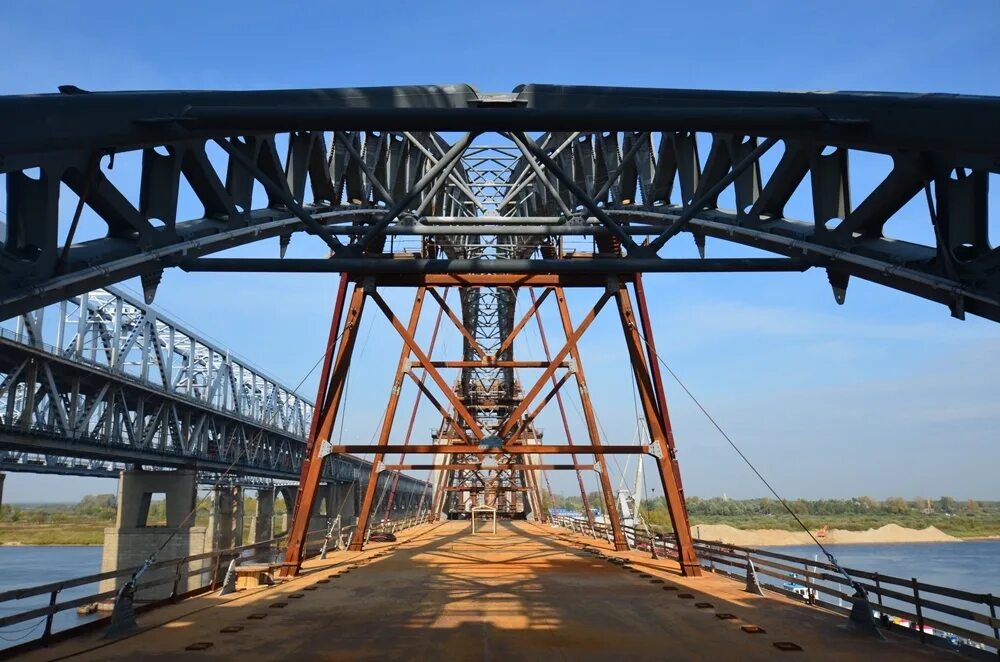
331,387
413,415
657,377
610,505
671,490
364,515
562,413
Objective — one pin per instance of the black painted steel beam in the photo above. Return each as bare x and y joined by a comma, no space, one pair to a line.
628,165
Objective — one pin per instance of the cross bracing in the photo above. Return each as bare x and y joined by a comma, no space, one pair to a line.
626,169
102,380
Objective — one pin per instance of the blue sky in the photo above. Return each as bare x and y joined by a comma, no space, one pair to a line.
885,395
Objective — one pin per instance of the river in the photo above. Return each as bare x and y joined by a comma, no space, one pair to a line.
971,566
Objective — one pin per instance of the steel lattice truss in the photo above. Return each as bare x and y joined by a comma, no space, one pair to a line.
102,379
628,169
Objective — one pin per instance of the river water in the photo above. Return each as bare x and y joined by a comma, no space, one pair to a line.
972,566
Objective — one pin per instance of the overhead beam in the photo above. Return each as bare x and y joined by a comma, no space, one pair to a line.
431,449
582,266
495,467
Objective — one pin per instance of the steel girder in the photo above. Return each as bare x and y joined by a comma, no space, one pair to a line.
355,166
102,379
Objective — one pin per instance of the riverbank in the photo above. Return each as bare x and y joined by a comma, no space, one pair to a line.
890,533
16,534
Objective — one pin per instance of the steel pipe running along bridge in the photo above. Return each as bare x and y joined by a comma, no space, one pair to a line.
101,381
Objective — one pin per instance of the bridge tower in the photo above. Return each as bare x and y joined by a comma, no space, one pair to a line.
487,449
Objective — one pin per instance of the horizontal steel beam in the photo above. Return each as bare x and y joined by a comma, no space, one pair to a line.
582,266
496,467
491,364
491,488
429,449
111,119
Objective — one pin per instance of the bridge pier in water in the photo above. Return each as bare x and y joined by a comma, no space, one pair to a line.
262,522
225,522
131,541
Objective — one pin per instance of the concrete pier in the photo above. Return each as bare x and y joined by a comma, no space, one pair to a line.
132,540
225,522
262,524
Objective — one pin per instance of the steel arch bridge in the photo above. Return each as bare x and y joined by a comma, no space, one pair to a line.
359,168
548,186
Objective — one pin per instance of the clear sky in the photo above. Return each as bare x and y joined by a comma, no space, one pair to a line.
885,395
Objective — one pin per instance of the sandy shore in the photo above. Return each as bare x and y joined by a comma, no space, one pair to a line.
890,533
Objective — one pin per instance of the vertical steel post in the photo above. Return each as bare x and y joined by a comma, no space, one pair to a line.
562,413
327,402
919,608
51,615
610,505
657,378
416,406
678,516
390,414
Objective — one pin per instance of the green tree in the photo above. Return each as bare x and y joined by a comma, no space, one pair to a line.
895,505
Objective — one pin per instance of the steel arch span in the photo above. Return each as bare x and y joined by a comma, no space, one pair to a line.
367,170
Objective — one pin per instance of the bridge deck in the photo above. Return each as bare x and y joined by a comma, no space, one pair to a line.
529,592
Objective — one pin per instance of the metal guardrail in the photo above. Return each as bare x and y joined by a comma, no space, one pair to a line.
928,610
215,568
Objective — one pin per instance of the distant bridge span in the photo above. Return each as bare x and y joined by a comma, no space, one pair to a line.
102,380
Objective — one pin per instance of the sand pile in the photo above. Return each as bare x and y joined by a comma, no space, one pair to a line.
890,533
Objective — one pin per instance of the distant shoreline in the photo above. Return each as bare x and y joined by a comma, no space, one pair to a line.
887,534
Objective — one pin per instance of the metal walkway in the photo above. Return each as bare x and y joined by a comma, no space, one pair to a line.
529,592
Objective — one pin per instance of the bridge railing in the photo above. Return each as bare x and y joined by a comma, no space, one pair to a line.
210,571
936,614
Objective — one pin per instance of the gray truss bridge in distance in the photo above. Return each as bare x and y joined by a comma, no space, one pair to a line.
102,380
623,171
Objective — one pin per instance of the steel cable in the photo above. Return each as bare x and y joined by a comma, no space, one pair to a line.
826,552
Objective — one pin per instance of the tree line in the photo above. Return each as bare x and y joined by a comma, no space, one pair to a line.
861,505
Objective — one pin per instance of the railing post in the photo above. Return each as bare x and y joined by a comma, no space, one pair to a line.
881,610
177,582
215,572
920,612
51,616
993,615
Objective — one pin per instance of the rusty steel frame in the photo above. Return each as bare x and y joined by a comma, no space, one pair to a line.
333,377
610,507
656,426
367,502
508,467
637,331
562,410
413,414
468,449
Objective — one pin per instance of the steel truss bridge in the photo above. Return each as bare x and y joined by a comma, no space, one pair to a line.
102,380
541,189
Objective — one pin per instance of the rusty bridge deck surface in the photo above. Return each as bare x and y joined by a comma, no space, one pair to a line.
528,592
